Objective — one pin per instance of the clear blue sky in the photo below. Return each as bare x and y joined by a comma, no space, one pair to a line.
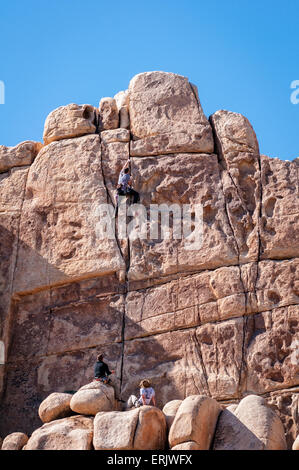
242,55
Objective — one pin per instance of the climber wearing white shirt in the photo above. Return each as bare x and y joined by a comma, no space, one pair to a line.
147,395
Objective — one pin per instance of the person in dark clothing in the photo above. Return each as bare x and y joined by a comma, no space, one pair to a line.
101,370
124,186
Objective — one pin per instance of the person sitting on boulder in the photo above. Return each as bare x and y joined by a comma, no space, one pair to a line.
147,395
124,185
101,370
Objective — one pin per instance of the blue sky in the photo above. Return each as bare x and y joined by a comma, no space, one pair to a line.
242,55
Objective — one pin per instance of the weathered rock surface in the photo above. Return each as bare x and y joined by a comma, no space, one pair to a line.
108,114
251,426
138,429
21,155
285,403
182,179
92,398
74,433
59,224
121,99
272,355
195,421
14,441
166,116
55,406
279,223
69,121
239,160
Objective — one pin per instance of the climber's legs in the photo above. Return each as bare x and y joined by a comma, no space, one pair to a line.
136,197
119,192
132,401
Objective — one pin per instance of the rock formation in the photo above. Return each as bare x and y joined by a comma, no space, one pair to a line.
219,321
199,423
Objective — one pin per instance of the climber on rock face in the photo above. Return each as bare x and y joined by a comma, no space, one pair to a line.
101,370
147,395
124,186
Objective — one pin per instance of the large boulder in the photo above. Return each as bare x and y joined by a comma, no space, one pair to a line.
170,410
92,398
121,99
195,421
20,155
166,116
143,428
108,114
14,441
251,426
234,133
55,406
238,152
74,433
69,121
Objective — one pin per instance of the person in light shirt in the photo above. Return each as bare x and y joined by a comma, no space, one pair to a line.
147,395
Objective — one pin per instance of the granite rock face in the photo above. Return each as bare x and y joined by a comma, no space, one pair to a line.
218,318
64,189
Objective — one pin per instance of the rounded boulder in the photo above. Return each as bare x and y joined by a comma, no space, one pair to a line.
55,406
93,398
14,441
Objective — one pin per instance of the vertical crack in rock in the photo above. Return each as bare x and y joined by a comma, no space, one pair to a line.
259,216
126,258
242,372
122,345
203,367
109,200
